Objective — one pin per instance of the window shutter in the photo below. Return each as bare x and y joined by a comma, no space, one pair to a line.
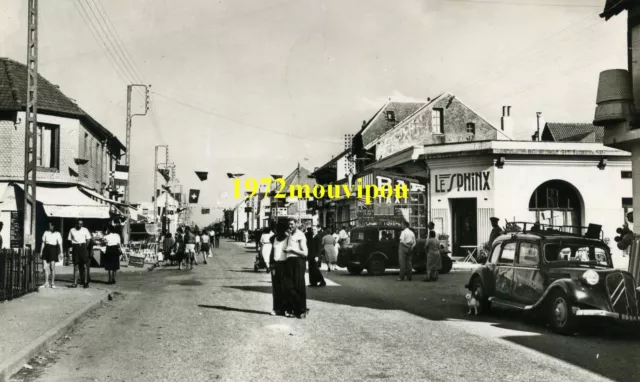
55,160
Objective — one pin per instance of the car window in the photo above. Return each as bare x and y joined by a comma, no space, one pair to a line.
357,236
495,253
529,254
387,235
508,254
579,253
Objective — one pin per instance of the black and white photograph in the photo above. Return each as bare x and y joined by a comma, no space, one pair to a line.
319,190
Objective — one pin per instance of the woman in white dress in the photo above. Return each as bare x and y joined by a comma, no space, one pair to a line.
329,243
265,246
50,253
112,254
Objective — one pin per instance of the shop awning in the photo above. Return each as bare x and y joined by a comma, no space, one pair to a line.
96,195
69,202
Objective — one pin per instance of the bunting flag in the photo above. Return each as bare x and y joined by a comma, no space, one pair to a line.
73,172
181,210
206,211
166,173
202,175
276,176
231,176
194,195
167,188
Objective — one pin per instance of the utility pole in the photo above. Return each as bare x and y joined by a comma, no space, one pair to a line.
128,153
298,182
31,132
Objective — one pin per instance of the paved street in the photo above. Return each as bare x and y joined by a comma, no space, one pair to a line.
212,323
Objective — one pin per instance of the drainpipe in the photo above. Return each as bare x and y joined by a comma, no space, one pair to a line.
538,114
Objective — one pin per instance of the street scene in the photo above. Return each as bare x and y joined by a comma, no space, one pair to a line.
431,190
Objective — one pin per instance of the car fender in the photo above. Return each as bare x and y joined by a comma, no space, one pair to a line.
386,258
486,276
567,286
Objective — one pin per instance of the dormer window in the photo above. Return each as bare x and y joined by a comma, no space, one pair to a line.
471,128
390,116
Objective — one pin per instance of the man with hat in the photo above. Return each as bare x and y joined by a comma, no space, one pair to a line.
496,231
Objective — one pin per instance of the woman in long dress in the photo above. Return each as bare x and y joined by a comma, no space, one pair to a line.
50,253
265,246
112,254
434,261
329,243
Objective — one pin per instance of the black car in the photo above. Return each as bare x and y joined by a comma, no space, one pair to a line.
564,277
375,248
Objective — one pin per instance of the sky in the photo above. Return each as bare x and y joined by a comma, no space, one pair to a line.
257,87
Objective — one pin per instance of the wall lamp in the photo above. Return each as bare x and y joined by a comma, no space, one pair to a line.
500,161
602,164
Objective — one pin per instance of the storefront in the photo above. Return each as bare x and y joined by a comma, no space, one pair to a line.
558,183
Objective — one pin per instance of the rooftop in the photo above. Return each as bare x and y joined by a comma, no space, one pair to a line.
573,132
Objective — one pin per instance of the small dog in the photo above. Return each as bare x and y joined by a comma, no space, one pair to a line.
472,303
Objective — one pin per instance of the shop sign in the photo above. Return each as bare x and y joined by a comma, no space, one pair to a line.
411,187
386,221
469,181
15,230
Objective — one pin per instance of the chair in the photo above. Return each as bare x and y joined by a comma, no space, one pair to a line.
471,251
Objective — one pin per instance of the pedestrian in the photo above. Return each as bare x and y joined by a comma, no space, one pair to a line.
50,254
245,234
343,237
265,246
190,247
295,284
80,237
205,243
180,248
434,259
213,236
329,246
278,261
112,254
196,249
168,244
315,246
218,233
405,251
496,231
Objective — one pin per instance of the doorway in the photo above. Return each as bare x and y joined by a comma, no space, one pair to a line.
463,225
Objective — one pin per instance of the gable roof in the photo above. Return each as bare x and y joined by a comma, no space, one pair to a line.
302,178
575,132
614,7
378,124
331,164
13,91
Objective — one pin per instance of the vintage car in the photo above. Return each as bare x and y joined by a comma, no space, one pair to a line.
375,248
565,278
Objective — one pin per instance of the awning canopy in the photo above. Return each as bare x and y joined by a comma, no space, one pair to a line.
96,195
69,202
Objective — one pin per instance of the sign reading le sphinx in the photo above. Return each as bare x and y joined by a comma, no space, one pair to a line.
468,181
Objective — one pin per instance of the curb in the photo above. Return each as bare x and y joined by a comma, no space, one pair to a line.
14,364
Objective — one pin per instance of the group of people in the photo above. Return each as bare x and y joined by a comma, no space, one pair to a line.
81,241
405,254
188,243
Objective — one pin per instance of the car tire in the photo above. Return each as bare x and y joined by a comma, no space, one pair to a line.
376,266
354,270
561,318
477,287
447,264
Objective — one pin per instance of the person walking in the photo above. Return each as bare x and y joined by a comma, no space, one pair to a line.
434,259
278,262
80,237
180,248
315,246
50,254
190,247
112,254
245,236
265,247
329,246
343,237
196,249
295,285
218,233
205,243
168,244
212,235
405,251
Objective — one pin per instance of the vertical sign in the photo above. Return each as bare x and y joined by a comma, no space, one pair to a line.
16,232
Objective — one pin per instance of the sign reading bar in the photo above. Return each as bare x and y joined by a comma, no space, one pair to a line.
470,181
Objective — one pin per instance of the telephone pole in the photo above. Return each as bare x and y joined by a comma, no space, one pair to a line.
128,153
31,131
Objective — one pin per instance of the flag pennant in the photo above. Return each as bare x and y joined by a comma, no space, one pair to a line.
202,175
194,196
181,210
276,176
231,176
73,172
206,211
166,174
167,188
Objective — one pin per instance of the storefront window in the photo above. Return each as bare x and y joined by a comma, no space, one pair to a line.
557,203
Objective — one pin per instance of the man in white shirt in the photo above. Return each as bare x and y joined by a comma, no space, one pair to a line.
204,245
295,284
405,251
80,237
343,237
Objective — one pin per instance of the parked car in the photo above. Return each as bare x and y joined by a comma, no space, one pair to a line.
566,278
375,248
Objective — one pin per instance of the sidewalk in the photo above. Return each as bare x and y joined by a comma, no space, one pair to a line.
124,268
32,323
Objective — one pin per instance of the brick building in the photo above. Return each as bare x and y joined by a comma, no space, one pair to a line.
75,155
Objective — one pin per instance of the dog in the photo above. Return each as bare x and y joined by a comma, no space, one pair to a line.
472,303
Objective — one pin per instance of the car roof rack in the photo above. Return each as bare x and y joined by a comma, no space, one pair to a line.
593,231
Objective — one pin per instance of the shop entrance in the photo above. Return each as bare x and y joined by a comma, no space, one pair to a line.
463,225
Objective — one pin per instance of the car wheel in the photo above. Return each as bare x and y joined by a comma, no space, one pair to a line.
477,287
376,265
447,264
354,270
560,316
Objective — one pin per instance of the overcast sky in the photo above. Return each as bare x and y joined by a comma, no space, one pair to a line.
313,69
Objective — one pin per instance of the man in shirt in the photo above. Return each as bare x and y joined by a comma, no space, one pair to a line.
343,237
405,251
204,245
314,244
80,237
190,247
295,284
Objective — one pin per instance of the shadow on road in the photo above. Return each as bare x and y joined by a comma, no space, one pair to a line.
228,309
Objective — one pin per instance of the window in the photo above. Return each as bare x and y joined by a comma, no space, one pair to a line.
587,254
529,254
495,254
471,128
97,155
48,146
357,236
387,235
508,254
625,174
86,144
437,125
391,116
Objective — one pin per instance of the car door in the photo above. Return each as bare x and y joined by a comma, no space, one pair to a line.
504,273
529,282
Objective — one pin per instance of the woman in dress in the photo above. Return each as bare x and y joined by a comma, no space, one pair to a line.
434,261
329,243
265,246
112,254
50,253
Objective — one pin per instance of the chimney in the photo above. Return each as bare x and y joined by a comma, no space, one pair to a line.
506,124
537,135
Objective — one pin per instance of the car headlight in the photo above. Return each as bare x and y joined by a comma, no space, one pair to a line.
591,277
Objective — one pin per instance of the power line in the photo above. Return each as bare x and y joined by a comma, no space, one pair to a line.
526,4
185,104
